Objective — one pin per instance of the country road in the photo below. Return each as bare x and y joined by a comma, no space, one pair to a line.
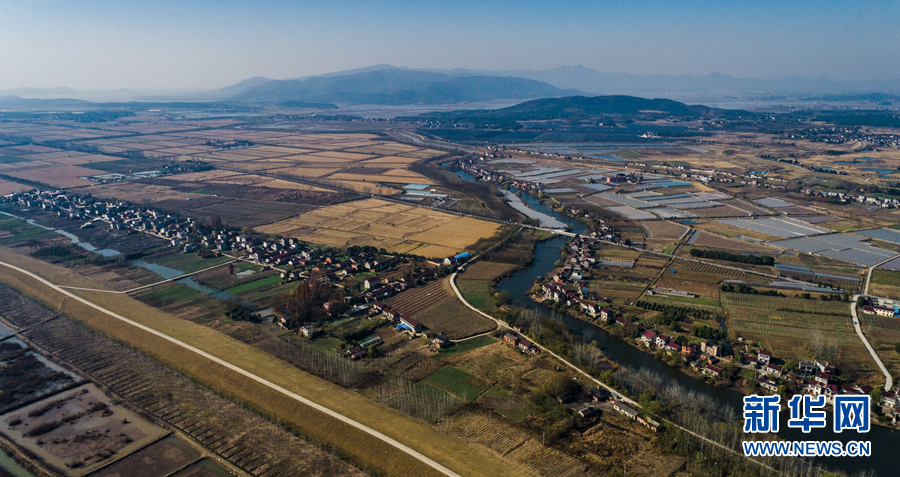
613,392
888,380
426,460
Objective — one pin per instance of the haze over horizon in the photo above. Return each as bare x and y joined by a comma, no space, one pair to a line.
103,45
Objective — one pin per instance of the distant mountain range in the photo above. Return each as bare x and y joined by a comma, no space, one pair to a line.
387,84
399,86
587,80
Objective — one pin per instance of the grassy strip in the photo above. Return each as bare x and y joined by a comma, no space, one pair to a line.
372,454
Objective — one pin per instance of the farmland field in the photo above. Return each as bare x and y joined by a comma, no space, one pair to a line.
456,382
787,325
885,283
437,308
47,428
663,230
308,421
487,270
394,227
476,292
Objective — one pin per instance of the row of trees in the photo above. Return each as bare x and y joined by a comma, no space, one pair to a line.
733,257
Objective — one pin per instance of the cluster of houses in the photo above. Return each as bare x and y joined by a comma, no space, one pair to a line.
580,260
702,175
845,197
845,135
703,357
294,255
524,345
385,287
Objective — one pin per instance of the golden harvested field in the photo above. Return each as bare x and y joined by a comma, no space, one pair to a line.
366,187
359,447
376,222
77,160
240,178
347,156
303,171
392,160
63,177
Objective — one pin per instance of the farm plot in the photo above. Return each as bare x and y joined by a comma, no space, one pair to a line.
13,230
244,438
787,324
457,382
79,429
250,213
28,376
487,270
157,460
476,292
7,187
706,239
395,227
663,230
63,177
883,334
438,308
515,444
419,299
779,227
885,283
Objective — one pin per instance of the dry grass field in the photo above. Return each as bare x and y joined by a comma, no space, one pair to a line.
706,239
487,270
394,227
369,452
663,230
7,187
63,177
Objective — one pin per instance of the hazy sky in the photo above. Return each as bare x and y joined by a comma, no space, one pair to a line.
198,44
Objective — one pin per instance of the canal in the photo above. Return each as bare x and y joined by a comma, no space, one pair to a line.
884,441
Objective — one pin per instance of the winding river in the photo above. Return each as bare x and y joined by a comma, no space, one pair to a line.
884,441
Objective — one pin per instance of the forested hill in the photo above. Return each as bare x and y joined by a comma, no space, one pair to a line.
577,108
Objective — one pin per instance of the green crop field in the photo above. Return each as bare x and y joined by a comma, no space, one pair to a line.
265,282
699,302
19,230
467,345
189,262
476,292
456,382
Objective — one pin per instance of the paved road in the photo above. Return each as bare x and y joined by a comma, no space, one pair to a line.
888,380
316,406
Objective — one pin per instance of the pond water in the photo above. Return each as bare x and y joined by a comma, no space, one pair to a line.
168,273
106,252
12,467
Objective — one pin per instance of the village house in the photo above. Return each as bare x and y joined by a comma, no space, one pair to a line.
625,410
711,370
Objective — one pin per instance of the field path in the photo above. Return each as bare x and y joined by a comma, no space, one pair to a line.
888,380
428,461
